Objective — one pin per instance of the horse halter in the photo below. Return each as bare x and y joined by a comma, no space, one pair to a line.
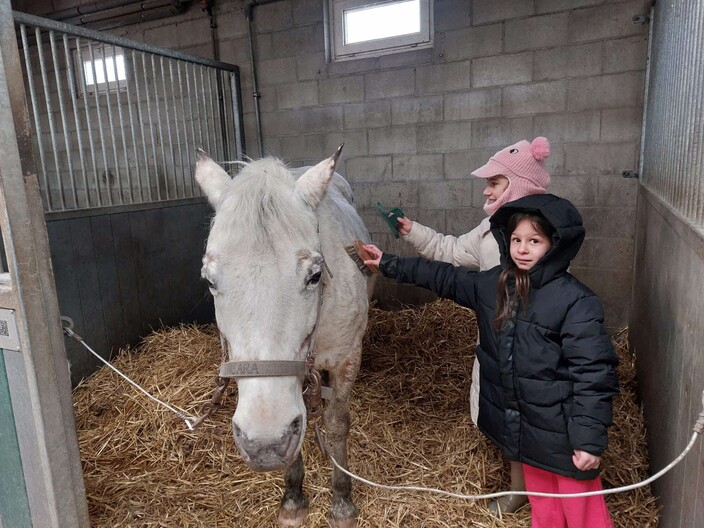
312,384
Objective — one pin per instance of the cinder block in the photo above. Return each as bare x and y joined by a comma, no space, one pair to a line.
502,70
605,91
476,104
595,159
299,41
433,218
621,124
303,146
449,194
452,14
625,54
536,98
580,190
280,123
569,127
231,24
406,58
401,194
445,137
234,51
617,191
307,12
492,10
555,164
443,77
276,71
368,115
607,21
497,134
469,43
461,164
543,31
355,143
393,83
417,110
311,66
341,90
368,169
417,167
568,61
395,140
297,95
322,119
552,6
478,187
461,221
353,66
612,253
609,222
272,17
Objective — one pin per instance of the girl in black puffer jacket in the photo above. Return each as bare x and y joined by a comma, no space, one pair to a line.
548,367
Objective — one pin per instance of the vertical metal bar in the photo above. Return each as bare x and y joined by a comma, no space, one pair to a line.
192,118
100,127
221,108
238,124
161,136
122,127
182,192
168,128
216,144
74,107
151,123
187,143
62,112
204,117
108,104
134,137
35,114
52,132
141,121
195,90
84,87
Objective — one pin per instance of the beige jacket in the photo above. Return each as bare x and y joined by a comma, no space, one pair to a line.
477,249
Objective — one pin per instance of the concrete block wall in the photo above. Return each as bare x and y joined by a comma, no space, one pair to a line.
416,123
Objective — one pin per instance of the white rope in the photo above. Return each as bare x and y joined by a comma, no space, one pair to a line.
698,427
178,412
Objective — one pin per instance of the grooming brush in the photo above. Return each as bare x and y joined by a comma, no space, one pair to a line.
391,216
358,254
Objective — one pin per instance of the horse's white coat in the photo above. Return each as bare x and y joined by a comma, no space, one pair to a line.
265,251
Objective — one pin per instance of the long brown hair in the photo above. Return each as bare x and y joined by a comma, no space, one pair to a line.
505,302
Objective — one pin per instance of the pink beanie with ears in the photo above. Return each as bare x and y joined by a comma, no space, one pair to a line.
522,163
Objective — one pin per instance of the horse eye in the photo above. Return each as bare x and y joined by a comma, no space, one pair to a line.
315,278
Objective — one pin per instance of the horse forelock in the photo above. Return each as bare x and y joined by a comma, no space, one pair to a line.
261,205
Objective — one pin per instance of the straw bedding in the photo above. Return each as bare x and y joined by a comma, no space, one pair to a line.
410,426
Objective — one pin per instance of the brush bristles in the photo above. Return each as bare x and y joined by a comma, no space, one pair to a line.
358,255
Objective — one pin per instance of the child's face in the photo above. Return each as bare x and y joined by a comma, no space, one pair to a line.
495,187
528,245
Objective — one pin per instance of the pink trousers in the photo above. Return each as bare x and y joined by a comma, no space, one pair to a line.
579,512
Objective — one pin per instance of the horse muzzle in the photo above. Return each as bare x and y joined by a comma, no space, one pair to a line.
272,453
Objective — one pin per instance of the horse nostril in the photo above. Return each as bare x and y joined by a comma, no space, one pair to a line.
296,425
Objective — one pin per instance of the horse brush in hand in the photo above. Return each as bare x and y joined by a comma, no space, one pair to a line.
358,254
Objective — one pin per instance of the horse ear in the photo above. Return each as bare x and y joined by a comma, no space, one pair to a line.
213,180
313,184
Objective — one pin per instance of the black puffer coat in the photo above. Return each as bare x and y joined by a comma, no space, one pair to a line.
548,378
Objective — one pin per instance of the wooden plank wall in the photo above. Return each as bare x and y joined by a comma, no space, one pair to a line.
121,274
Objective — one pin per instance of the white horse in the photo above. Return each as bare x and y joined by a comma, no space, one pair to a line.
284,290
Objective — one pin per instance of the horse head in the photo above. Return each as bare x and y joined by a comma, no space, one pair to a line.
265,269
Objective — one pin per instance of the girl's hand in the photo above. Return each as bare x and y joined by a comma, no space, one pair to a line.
404,225
585,461
375,254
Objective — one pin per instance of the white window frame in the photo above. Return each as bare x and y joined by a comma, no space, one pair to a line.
100,52
339,51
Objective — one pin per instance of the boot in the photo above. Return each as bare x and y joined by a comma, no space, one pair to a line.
511,503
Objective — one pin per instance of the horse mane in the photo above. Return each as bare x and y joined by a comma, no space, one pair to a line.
262,203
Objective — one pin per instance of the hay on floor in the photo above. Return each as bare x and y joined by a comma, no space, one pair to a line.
410,426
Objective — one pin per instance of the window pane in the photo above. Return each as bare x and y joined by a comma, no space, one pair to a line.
377,22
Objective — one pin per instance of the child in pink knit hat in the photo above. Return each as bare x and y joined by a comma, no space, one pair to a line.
510,174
